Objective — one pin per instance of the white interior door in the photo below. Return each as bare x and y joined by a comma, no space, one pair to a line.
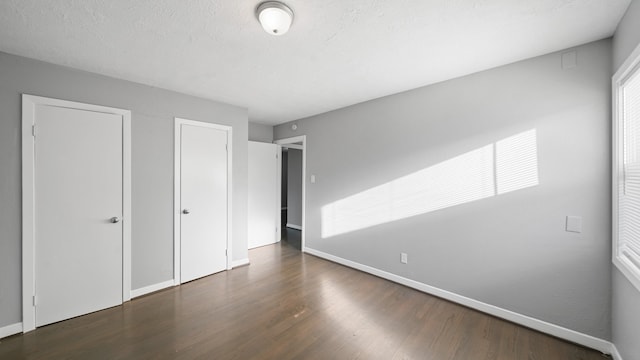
78,190
203,201
263,193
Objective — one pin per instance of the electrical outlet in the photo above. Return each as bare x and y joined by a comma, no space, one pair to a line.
574,224
403,258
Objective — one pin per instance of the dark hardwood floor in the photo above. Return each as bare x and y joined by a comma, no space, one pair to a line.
289,235
289,305
292,237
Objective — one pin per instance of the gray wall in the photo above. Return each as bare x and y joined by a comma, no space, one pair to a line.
294,187
625,297
511,250
625,316
627,36
260,132
153,111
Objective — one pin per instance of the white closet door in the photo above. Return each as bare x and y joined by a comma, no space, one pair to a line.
203,201
263,193
78,211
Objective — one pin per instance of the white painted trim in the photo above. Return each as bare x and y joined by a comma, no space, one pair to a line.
614,353
176,201
286,143
241,262
278,191
176,191
151,288
28,215
126,206
10,330
29,103
293,146
631,64
542,326
297,227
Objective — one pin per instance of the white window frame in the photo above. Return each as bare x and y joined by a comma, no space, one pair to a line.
630,67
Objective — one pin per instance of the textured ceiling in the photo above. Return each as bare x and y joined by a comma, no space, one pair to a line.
337,53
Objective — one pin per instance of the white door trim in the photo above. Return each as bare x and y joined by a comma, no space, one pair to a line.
176,191
29,103
293,146
279,191
287,143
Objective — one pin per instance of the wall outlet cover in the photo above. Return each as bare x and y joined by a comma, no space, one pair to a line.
569,60
574,224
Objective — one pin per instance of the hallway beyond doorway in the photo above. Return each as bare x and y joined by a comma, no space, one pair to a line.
290,236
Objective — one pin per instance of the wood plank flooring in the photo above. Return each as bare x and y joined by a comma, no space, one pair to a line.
288,305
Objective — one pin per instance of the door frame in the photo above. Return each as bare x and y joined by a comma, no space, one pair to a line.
176,191
292,143
29,103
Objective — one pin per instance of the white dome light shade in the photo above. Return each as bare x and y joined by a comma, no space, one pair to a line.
275,17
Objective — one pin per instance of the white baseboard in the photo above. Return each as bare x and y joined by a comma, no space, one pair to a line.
297,227
241,262
614,353
542,326
10,330
151,288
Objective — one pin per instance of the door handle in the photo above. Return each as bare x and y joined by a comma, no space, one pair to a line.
115,219
186,211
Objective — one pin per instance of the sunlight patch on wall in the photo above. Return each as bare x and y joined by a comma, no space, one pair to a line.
505,166
517,162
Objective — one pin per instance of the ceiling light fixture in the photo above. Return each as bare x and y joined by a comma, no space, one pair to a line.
275,17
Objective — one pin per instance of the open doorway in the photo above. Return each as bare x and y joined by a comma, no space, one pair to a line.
292,191
291,206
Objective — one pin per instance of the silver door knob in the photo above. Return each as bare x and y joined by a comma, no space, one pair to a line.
186,211
115,219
